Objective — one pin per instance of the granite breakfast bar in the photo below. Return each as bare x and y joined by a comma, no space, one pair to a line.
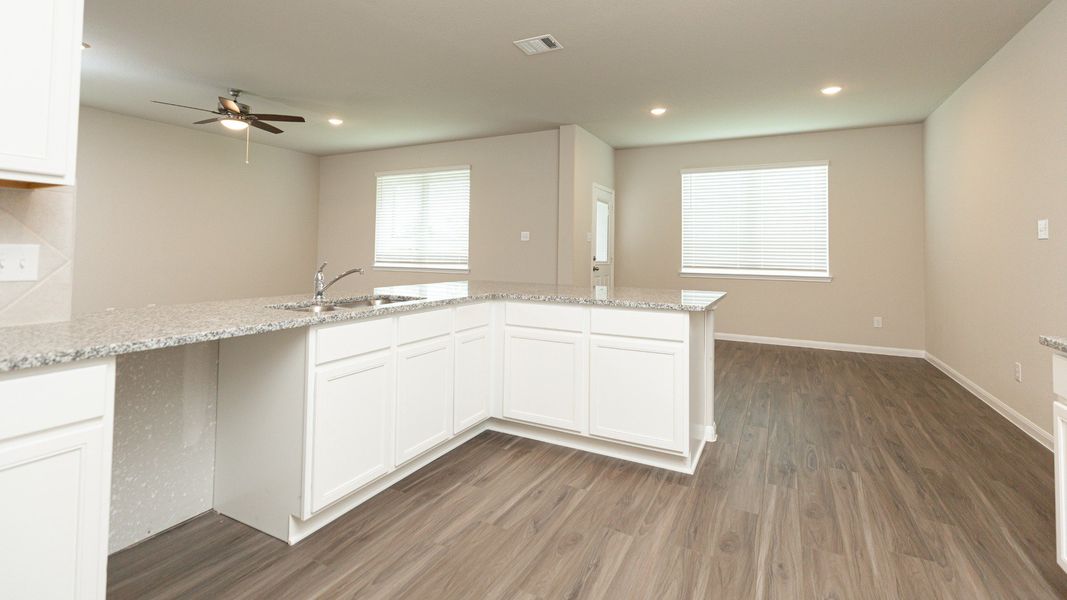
319,411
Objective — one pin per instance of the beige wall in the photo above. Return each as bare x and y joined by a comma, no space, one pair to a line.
584,160
996,162
168,215
513,189
876,235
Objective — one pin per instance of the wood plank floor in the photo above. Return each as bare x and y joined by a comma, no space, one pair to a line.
836,475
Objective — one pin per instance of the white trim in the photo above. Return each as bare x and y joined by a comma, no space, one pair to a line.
421,268
709,433
1029,427
820,345
785,165
422,170
757,275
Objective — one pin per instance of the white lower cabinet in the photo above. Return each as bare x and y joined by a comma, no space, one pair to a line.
545,377
473,378
638,392
55,473
423,397
351,433
1059,418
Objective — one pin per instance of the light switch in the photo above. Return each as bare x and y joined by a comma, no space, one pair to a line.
1042,229
524,236
18,262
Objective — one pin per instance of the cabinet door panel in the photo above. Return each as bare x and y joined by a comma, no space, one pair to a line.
39,57
637,392
474,379
424,397
544,379
51,515
352,427
1059,410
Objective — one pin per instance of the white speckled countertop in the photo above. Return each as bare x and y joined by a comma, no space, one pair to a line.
136,329
1054,342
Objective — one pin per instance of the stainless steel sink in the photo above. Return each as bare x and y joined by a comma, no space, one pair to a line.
331,306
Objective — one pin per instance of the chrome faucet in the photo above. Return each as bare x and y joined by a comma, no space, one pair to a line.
320,282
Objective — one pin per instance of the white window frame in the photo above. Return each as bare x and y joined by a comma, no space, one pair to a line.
426,268
757,274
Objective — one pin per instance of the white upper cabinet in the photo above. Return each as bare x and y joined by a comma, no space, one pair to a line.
40,59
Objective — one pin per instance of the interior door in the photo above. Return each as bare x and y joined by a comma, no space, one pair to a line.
603,236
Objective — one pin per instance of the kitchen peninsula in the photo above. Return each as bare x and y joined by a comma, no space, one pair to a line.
319,411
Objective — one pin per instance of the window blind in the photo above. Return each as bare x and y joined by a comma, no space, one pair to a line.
422,219
761,221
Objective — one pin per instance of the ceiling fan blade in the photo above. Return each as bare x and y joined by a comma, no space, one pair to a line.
264,126
290,118
230,105
184,106
206,121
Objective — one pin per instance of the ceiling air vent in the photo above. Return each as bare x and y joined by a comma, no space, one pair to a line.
538,45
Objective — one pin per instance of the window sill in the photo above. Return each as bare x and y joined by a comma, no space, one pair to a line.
757,275
421,268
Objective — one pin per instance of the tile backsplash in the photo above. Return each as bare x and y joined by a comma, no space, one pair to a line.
44,217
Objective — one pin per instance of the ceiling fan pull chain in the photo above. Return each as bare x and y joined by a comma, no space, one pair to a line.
248,136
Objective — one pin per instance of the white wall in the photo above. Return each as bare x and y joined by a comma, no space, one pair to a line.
996,162
584,160
513,189
168,215
876,235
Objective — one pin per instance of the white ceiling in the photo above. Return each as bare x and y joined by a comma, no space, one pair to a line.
403,72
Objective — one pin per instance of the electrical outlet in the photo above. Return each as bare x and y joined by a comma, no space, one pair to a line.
1018,372
18,262
878,322
1042,229
524,236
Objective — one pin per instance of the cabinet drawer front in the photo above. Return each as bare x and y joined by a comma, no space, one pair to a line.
639,323
547,316
334,342
1059,375
35,401
472,315
421,326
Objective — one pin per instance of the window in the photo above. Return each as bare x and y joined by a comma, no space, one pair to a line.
422,219
766,221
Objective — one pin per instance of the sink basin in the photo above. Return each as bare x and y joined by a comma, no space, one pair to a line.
370,302
331,306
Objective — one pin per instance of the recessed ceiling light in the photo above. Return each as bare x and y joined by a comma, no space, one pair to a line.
86,45
832,90
658,111
234,124
334,121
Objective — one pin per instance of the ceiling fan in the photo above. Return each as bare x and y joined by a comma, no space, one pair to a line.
237,116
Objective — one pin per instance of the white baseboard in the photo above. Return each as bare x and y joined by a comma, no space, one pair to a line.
1009,413
775,341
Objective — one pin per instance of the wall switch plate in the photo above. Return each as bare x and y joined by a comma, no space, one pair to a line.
1042,229
1018,372
524,236
878,322
589,236
18,262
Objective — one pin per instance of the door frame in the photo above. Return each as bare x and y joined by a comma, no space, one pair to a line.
611,235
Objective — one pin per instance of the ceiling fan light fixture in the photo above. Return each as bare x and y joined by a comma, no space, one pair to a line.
234,124
335,121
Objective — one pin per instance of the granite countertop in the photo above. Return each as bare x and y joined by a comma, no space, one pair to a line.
133,330
1056,343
